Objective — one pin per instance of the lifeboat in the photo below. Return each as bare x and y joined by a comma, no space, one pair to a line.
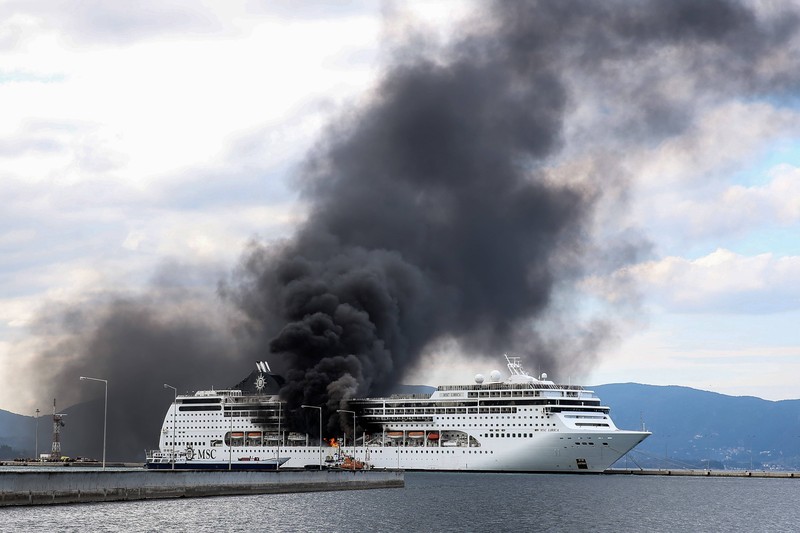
433,436
416,434
296,437
272,436
395,434
237,435
253,435
350,463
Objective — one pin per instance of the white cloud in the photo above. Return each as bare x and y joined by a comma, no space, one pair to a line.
111,157
714,147
720,282
713,184
155,107
729,174
778,200
735,209
734,365
17,236
93,22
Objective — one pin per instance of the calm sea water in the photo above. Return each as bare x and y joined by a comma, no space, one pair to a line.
456,502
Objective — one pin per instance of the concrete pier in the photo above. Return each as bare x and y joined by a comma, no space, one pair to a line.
58,487
704,473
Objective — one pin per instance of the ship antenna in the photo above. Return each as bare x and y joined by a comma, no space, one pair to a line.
514,366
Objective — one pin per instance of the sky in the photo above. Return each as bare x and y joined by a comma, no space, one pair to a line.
142,141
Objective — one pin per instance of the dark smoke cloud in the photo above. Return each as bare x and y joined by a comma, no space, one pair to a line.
442,208
172,334
432,214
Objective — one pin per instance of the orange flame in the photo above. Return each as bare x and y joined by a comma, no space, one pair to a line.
332,442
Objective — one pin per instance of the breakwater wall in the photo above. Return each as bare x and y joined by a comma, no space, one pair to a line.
704,473
58,487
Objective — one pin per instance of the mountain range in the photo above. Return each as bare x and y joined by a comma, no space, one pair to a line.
691,428
694,428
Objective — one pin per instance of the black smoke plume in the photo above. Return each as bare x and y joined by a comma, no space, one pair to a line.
462,201
432,213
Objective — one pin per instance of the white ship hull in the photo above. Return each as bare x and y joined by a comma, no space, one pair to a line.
549,452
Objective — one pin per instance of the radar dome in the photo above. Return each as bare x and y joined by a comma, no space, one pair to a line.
544,375
479,378
495,375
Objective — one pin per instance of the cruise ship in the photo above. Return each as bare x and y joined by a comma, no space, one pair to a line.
512,423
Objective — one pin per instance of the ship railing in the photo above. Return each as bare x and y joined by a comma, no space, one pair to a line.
156,456
564,387
161,455
503,386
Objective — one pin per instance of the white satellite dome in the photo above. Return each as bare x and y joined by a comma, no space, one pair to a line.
495,375
544,375
479,378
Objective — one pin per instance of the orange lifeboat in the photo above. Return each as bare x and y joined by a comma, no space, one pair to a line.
433,436
253,435
353,464
395,434
416,434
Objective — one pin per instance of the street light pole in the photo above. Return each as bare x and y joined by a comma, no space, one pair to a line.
105,414
174,408
36,457
354,433
320,430
280,436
